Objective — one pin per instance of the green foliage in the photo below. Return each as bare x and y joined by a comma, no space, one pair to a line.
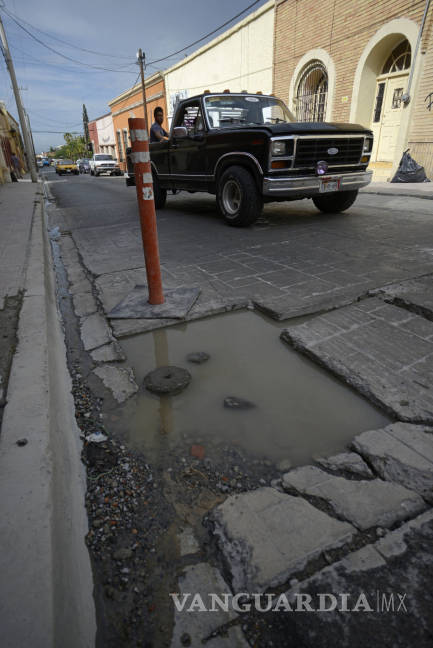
85,123
74,148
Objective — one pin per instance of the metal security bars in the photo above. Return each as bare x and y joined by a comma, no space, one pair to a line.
312,93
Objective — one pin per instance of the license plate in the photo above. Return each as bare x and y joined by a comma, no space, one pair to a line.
329,184
68,170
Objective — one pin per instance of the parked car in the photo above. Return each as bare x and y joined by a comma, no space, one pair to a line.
66,166
104,163
83,165
248,149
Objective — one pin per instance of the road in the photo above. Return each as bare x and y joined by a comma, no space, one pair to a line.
180,507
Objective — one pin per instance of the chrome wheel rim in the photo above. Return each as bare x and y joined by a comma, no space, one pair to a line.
231,197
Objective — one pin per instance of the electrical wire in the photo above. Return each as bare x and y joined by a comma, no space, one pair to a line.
76,47
68,58
206,36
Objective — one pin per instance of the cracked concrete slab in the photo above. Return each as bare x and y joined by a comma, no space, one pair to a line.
84,304
363,503
192,628
119,380
349,462
396,604
401,453
371,346
288,306
266,536
415,294
108,353
94,331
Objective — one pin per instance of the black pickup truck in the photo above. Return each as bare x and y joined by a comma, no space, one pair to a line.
248,149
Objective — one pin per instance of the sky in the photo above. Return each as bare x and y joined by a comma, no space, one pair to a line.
54,89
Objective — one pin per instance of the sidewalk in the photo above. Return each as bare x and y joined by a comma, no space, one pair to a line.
410,189
45,575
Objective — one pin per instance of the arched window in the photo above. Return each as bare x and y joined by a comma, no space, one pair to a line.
312,93
399,59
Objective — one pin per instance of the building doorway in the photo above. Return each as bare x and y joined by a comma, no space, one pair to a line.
391,84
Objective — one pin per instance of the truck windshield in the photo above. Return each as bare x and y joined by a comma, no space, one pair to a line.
103,157
224,111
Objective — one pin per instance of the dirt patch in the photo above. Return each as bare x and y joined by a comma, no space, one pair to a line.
8,342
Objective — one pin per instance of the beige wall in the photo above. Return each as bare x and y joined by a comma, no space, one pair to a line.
240,59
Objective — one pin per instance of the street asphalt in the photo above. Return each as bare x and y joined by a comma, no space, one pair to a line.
358,523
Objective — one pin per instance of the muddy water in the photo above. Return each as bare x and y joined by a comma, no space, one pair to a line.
300,410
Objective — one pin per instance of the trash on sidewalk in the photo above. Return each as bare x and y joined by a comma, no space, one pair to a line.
409,170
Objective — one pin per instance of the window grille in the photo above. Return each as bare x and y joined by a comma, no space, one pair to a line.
312,93
399,59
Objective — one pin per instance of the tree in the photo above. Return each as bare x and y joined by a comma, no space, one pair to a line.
85,124
74,148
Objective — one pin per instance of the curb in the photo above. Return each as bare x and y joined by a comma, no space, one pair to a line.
391,193
46,581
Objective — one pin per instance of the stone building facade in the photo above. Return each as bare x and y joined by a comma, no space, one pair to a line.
361,61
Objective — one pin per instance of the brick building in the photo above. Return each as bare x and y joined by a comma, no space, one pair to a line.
361,61
130,104
93,135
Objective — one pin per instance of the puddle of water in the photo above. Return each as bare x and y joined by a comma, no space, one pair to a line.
300,409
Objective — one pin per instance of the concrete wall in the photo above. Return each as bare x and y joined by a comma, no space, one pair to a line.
239,59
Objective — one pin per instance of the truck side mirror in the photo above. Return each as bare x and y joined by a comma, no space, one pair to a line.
180,132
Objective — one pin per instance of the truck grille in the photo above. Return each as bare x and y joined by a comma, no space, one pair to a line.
310,151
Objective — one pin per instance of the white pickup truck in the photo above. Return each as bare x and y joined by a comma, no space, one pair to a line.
103,163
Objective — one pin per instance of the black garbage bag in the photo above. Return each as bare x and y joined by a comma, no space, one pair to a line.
409,170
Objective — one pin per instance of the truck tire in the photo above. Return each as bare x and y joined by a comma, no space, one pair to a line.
238,198
334,203
159,194
96,174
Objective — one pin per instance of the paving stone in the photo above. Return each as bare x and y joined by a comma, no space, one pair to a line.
187,542
108,353
386,363
94,331
401,453
414,294
265,536
350,462
203,580
84,304
394,543
289,305
118,379
364,503
383,577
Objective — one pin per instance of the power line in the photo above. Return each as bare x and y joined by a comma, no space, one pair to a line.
206,36
82,49
68,58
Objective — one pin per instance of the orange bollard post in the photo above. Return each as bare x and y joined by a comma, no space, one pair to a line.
143,180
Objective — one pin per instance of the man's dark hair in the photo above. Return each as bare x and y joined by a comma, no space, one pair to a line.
157,110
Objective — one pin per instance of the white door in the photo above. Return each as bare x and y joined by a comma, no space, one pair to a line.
387,116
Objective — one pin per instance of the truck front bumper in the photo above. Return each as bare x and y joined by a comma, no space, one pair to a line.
293,187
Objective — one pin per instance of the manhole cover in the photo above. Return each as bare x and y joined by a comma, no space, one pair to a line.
167,380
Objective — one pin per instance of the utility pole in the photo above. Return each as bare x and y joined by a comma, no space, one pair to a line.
141,62
26,135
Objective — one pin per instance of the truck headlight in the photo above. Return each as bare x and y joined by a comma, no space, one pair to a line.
368,145
279,148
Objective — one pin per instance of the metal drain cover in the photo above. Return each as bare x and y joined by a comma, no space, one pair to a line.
167,380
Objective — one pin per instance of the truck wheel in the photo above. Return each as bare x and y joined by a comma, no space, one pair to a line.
238,198
159,194
95,174
335,202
